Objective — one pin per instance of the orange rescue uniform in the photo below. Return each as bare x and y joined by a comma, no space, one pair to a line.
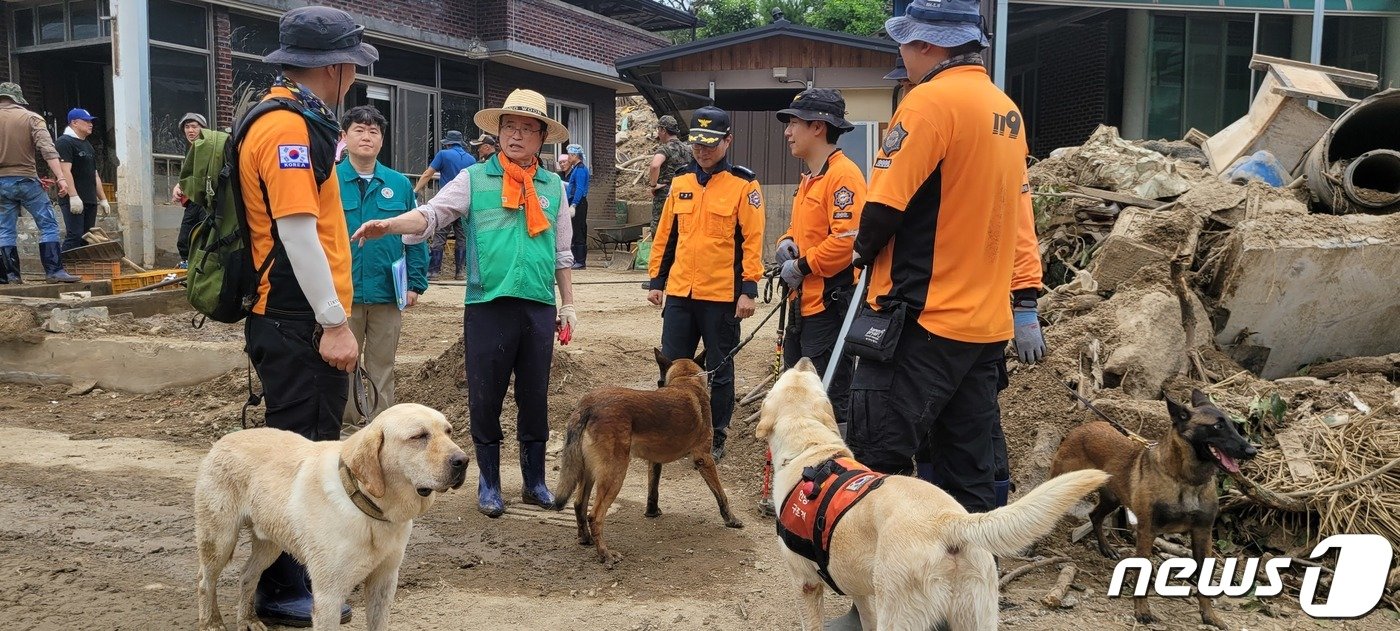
953,163
709,242
275,171
825,217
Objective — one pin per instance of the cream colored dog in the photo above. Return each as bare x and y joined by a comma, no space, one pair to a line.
345,509
908,554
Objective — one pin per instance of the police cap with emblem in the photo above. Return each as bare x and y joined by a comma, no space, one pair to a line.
708,126
818,104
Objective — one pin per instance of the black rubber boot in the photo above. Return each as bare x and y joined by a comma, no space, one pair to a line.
11,255
284,595
53,264
717,445
534,490
488,486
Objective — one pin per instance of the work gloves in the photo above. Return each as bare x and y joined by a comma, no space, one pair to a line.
792,273
787,251
1030,343
568,317
75,204
104,207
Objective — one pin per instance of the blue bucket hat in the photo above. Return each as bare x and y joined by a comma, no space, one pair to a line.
316,37
453,137
944,23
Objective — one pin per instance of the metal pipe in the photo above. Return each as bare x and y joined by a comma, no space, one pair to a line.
1372,180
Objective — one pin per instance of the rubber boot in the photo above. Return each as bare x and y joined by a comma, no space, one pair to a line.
284,595
534,490
53,264
848,622
1003,489
717,445
488,486
11,256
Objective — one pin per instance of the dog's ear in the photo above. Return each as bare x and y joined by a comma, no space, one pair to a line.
661,361
1181,415
363,459
1199,398
700,359
805,365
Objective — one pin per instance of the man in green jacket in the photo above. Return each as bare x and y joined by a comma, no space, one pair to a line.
368,191
518,251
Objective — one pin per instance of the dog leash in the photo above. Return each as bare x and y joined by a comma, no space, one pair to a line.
1116,425
767,297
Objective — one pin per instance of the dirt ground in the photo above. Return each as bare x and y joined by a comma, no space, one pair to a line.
97,531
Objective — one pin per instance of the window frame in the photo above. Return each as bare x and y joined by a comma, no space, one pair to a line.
210,92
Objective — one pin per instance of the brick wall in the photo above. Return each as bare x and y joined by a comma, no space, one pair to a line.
557,26
455,18
223,69
500,80
1071,98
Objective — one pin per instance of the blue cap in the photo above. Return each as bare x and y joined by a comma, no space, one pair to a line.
943,23
574,149
79,114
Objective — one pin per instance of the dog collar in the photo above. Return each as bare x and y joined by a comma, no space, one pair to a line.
361,500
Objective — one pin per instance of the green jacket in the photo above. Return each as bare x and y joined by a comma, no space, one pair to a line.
388,194
199,173
503,260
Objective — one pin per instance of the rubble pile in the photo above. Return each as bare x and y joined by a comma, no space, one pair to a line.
636,144
1163,277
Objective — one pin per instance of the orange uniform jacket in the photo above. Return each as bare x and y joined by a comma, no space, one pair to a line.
825,216
948,222
709,242
275,164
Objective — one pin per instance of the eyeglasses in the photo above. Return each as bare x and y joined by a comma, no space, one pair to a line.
514,129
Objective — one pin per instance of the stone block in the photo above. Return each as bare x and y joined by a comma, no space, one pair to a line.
69,320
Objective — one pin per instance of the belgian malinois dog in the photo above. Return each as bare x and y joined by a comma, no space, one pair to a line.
1169,487
614,425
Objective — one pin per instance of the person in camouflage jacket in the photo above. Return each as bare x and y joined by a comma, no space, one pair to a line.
672,155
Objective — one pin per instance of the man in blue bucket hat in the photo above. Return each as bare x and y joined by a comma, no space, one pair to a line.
947,237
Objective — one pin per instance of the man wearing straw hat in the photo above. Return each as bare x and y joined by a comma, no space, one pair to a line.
518,249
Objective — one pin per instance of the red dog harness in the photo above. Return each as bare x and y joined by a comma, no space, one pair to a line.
811,511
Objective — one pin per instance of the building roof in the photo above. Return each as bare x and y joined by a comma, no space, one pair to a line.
644,14
644,70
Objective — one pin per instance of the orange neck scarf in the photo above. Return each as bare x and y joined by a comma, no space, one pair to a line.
518,190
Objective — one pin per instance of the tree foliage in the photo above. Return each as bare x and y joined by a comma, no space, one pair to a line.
857,17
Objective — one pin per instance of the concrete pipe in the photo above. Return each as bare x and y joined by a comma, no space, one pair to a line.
1364,143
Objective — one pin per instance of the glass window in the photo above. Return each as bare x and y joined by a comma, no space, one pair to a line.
251,78
82,19
51,27
253,36
24,27
179,84
457,112
461,77
402,65
179,23
1167,59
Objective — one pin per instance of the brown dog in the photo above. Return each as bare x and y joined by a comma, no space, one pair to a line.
1169,487
614,425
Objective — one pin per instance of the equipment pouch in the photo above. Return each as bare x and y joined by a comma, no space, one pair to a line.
874,334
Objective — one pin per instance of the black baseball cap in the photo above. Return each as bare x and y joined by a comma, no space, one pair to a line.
708,126
819,104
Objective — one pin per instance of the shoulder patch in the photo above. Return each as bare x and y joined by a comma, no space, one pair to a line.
894,139
743,172
845,214
293,156
843,198
755,199
685,195
882,163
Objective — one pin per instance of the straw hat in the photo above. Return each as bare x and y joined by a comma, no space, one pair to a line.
527,103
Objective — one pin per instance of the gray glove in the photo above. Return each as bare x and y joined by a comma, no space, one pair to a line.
792,273
1030,342
787,251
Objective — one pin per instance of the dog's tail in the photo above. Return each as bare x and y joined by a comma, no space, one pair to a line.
571,458
1011,528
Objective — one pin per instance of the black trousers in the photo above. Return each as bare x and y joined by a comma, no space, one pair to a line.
509,336
194,213
814,337
684,323
580,242
941,390
75,226
302,392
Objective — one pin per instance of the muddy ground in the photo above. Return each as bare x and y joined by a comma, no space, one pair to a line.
95,519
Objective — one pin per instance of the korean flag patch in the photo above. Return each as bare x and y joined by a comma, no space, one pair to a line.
755,199
293,157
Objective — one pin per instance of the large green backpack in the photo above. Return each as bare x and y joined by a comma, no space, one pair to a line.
221,283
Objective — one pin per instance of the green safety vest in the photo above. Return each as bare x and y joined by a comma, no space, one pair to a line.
503,260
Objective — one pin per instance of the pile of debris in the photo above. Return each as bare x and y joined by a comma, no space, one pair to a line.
1166,272
636,144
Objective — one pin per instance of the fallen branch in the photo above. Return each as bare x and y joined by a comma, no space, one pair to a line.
1388,365
1265,497
1027,568
1056,596
1345,485
1172,548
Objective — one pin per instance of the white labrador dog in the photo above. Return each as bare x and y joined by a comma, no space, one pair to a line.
345,509
908,554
